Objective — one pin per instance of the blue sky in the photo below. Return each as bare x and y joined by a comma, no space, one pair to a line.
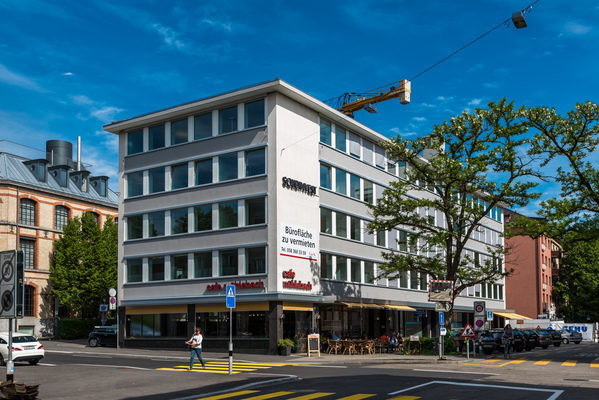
69,67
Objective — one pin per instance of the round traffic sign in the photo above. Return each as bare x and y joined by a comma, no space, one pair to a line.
113,300
479,308
480,323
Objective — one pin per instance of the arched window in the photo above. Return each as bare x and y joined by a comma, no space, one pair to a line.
27,212
96,217
61,217
29,301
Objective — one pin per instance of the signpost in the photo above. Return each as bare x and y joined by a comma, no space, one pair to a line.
480,315
230,302
469,333
12,288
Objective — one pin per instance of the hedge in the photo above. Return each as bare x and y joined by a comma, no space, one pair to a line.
69,328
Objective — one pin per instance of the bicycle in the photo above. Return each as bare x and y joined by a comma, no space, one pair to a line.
507,348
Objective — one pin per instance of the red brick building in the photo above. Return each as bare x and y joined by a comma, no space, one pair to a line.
37,197
536,261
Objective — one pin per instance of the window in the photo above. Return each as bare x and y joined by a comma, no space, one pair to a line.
355,230
203,217
401,170
356,270
227,167
413,280
368,197
255,260
179,221
341,222
156,180
341,181
228,263
156,137
61,217
227,214
392,168
354,145
255,211
381,238
29,301
135,142
368,272
27,212
179,266
28,248
179,132
255,162
326,267
340,138
179,176
254,114
202,126
341,269
227,120
325,132
325,176
134,270
96,216
379,157
326,221
202,264
156,269
403,241
156,224
135,227
135,184
354,187
403,279
423,281
203,172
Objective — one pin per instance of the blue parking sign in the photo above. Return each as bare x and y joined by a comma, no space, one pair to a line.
441,318
230,290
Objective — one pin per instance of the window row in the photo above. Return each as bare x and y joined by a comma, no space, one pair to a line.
221,168
214,123
484,290
348,184
206,217
207,264
27,214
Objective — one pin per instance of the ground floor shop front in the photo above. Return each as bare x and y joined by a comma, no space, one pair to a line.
258,327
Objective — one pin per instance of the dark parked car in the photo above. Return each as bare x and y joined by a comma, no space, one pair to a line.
531,340
571,336
556,337
545,339
102,335
490,341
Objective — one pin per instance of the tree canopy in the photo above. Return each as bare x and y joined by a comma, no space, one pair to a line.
85,263
455,178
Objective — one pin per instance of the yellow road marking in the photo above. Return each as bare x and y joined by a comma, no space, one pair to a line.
212,371
227,395
594,363
491,361
311,396
543,362
269,396
357,397
569,363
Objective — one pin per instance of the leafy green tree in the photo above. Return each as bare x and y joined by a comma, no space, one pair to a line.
85,263
462,171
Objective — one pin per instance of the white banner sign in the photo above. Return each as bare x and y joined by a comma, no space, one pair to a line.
298,242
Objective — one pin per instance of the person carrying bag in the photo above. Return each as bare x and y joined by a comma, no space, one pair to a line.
196,348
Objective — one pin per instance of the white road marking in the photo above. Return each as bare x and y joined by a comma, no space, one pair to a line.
453,372
116,366
555,395
321,366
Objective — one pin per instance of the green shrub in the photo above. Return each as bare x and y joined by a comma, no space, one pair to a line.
286,343
69,328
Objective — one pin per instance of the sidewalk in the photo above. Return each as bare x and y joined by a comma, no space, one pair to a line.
80,347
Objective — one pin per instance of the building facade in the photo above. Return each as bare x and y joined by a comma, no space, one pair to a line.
264,188
37,197
536,263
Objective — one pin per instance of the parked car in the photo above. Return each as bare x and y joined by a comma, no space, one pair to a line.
103,335
490,340
556,337
531,340
545,339
570,336
458,340
24,348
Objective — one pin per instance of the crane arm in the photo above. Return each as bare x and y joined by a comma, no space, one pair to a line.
357,101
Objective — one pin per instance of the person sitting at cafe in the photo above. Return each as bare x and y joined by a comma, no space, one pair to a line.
392,343
384,338
335,335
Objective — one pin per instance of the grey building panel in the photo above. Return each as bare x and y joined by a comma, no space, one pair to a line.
195,242
348,205
348,248
355,166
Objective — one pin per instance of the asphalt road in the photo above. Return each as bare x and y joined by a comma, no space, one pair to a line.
565,373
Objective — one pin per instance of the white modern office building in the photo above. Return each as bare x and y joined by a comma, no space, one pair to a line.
265,188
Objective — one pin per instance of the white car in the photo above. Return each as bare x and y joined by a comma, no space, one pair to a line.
24,348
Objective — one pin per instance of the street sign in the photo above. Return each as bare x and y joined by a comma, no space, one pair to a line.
479,308
230,289
441,318
489,315
479,323
442,306
440,290
8,262
112,303
103,307
468,331
443,332
420,313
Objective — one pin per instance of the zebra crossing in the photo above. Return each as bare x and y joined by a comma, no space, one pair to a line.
258,395
222,367
543,362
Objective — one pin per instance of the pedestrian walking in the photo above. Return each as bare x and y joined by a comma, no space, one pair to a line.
196,348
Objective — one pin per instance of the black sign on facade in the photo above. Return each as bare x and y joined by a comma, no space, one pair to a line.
11,284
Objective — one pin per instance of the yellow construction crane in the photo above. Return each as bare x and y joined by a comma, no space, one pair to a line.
352,102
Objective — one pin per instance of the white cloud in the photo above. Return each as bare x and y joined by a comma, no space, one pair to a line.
576,28
475,67
419,119
474,102
490,85
14,79
106,114
103,113
429,105
67,74
169,36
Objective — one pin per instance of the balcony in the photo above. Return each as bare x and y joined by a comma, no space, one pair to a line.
544,267
543,247
544,286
